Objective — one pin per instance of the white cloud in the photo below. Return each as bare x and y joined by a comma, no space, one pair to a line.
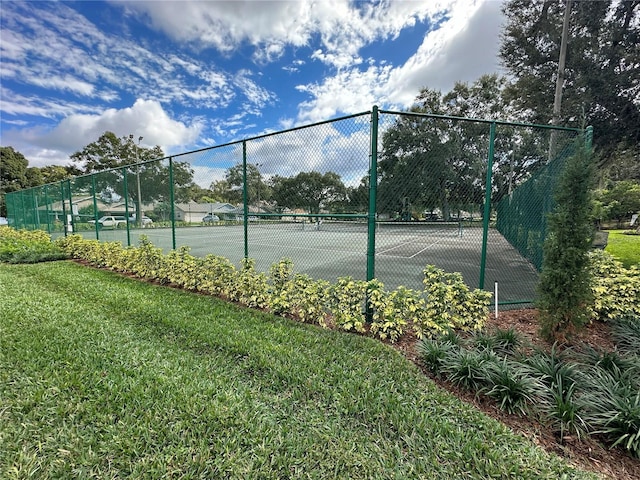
343,27
204,176
462,49
145,118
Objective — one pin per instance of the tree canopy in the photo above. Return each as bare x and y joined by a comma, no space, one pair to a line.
309,190
602,86
113,155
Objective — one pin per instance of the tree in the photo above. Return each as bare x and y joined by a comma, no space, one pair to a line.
311,190
117,157
431,163
621,201
257,190
601,80
56,173
222,192
564,287
14,174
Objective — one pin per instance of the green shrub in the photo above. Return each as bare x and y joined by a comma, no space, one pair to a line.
564,293
252,289
615,289
347,300
391,310
308,298
219,276
24,246
446,303
450,303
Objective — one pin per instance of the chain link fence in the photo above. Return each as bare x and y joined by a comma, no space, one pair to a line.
379,194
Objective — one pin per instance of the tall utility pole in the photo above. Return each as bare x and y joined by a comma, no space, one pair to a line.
557,101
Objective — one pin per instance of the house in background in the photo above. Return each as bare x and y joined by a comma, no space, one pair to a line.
193,212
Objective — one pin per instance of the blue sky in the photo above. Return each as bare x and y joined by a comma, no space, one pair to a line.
191,74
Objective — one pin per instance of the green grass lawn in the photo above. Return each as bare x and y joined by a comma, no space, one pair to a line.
106,377
625,248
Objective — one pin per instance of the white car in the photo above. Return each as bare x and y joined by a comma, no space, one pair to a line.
145,220
4,221
113,221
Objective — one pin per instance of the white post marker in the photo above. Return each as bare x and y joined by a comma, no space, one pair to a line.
495,296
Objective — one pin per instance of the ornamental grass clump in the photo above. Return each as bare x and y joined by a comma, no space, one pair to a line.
626,333
435,353
510,386
561,409
612,408
469,368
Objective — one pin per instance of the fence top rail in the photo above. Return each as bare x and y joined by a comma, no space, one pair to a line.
481,120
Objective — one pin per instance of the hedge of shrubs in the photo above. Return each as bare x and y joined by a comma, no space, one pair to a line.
23,246
446,302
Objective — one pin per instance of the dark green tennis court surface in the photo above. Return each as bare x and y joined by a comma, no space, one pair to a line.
332,249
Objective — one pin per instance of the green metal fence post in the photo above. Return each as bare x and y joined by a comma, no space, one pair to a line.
46,203
64,209
487,204
125,183
95,206
588,137
172,208
373,184
371,214
245,199
71,205
34,205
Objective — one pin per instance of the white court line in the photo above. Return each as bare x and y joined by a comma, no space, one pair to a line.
393,248
419,252
382,252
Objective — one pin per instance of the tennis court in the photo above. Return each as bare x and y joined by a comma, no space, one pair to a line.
329,250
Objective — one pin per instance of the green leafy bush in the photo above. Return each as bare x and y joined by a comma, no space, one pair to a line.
446,303
23,246
615,289
450,303
392,310
347,299
252,289
219,276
